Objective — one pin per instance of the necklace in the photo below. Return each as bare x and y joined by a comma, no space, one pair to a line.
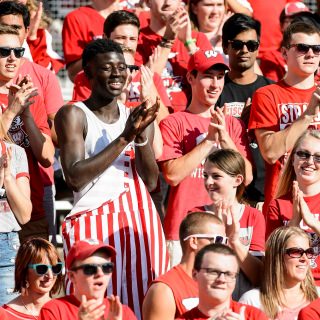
29,311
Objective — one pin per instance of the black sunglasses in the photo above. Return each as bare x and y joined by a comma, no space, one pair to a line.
304,48
132,67
42,268
305,155
252,45
92,268
6,51
298,252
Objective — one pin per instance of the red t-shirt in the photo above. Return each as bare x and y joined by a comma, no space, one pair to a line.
174,74
82,89
66,308
251,313
181,132
18,134
280,212
273,65
252,228
183,287
276,107
79,28
311,311
12,314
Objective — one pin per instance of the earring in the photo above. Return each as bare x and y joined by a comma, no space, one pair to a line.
27,284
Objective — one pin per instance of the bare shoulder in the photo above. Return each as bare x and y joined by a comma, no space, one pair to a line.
70,111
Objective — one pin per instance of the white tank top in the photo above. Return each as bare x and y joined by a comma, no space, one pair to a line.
113,181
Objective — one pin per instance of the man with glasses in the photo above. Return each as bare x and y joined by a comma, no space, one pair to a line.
176,290
215,271
89,265
281,111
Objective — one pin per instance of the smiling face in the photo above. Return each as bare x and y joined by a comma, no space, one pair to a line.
296,268
299,63
92,286
307,170
127,35
9,65
209,14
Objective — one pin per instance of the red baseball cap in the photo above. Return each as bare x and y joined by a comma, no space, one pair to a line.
86,248
203,60
292,8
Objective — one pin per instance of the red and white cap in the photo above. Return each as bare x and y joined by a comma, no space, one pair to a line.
292,8
203,60
86,248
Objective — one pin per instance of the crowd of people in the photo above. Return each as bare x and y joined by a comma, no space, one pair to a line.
192,148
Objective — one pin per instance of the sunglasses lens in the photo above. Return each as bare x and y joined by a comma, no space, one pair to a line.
316,49
252,45
303,155
237,44
18,52
107,268
57,268
218,239
42,269
4,52
89,270
310,253
303,48
295,252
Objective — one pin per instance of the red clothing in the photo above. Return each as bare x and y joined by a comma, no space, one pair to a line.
12,314
280,212
82,89
273,65
183,287
181,132
18,133
311,311
251,313
79,28
174,74
66,308
276,107
252,228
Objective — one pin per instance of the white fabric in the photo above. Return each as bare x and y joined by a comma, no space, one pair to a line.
252,298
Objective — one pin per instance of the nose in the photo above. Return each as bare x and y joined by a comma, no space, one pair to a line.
12,55
99,272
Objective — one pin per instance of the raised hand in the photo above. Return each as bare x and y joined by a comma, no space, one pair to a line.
147,90
296,211
35,20
91,309
115,311
314,104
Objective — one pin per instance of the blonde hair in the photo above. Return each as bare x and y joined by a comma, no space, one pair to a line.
273,281
288,175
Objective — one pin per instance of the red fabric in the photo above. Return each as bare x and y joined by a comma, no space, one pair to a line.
18,133
79,28
174,74
183,287
144,18
252,228
251,313
181,132
310,312
82,89
38,49
273,65
67,308
280,212
11,314
275,107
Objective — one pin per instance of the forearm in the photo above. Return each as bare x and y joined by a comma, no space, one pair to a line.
237,7
73,68
7,118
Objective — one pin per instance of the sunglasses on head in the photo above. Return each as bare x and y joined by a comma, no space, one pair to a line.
6,51
213,238
304,48
41,268
252,45
305,155
90,269
299,252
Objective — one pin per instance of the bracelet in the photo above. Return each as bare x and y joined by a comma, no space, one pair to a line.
164,44
142,144
188,42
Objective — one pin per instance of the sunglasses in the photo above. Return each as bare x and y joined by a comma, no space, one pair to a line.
92,268
304,48
133,67
305,155
213,238
252,45
299,252
6,51
42,269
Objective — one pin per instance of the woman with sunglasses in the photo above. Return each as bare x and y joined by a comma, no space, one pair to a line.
224,176
287,284
38,275
301,174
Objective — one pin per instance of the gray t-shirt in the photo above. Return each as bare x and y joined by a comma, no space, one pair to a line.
19,167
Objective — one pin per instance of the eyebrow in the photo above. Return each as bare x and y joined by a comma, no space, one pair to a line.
16,26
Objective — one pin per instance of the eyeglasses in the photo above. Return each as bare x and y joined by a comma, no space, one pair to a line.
252,45
41,268
6,51
92,268
304,48
213,238
214,274
132,67
305,155
299,252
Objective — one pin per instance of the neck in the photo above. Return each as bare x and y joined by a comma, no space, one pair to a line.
187,262
33,302
299,82
4,86
236,206
157,25
105,7
242,77
212,308
310,189
202,110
